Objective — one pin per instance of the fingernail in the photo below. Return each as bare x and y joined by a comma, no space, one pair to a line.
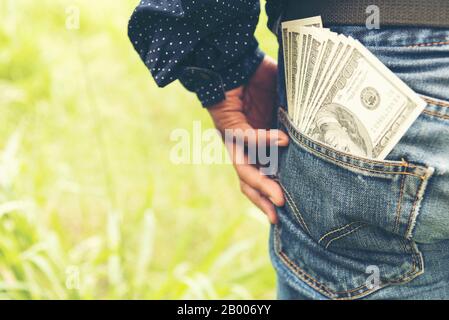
281,142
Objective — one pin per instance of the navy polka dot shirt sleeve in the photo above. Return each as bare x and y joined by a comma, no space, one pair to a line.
208,45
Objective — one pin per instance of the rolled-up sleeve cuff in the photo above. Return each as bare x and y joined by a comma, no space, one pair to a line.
211,85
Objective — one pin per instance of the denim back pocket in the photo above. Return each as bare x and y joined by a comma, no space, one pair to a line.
427,142
347,226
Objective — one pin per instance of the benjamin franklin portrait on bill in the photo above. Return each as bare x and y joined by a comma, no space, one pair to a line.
339,128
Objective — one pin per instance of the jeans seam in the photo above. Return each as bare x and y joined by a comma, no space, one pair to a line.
413,215
399,207
428,44
411,274
435,102
338,230
333,160
334,294
436,114
297,270
295,209
343,235
311,280
284,119
416,258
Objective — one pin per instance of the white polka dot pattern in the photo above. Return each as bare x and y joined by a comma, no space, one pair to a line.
209,45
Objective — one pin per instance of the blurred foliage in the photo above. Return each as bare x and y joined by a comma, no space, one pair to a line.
90,205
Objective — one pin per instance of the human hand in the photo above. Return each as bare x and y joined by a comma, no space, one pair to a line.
251,107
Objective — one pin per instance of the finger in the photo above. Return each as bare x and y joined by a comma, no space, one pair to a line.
261,202
250,136
283,138
263,184
258,153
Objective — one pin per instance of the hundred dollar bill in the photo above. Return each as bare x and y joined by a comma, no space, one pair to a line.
303,54
316,43
367,108
287,48
305,47
328,50
322,63
341,95
294,66
340,53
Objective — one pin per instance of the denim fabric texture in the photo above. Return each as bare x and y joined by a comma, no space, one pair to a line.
349,221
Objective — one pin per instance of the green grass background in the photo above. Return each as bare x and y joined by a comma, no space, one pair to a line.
90,205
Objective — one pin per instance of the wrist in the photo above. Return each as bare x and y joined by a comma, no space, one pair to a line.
211,86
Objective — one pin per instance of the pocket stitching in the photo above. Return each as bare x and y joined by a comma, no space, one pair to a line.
332,160
398,209
428,44
414,212
404,164
343,235
284,117
338,230
436,114
332,294
435,102
312,281
295,209
416,258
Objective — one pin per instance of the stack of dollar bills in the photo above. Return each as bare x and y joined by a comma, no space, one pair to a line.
341,95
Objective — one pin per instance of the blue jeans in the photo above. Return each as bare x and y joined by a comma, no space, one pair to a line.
356,228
